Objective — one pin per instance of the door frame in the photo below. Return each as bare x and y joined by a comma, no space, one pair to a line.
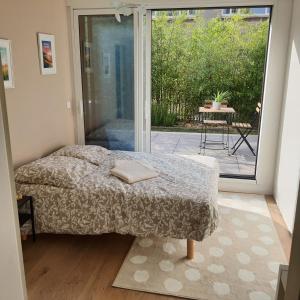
274,80
148,80
138,107
12,274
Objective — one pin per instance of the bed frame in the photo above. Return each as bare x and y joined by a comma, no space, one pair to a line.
190,253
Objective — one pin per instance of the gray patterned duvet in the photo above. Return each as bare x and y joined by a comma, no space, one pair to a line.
74,193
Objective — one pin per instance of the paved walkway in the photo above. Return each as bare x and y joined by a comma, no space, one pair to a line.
242,163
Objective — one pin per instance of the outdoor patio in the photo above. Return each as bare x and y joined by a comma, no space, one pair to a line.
183,143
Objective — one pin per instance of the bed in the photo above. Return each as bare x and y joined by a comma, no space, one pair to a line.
74,193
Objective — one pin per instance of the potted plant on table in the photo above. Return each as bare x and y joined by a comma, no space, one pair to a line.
219,98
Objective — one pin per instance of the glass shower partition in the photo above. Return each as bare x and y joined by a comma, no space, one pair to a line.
107,70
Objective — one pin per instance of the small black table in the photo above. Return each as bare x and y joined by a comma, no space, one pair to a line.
25,216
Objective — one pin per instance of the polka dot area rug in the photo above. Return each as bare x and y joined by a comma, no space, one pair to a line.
239,261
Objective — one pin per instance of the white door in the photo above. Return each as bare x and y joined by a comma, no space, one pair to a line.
107,92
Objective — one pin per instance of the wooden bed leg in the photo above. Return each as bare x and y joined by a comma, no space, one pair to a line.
24,236
190,249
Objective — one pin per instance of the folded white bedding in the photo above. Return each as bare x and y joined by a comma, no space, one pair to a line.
132,171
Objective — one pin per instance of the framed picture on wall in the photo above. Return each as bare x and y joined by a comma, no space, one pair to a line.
46,43
7,66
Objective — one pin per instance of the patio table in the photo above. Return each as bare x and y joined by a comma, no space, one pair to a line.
204,112
229,111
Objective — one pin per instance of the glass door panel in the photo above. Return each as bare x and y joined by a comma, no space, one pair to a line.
220,54
107,68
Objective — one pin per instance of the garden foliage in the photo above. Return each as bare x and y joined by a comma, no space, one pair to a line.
191,61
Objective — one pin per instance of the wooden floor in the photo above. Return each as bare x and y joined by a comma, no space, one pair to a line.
64,267
281,228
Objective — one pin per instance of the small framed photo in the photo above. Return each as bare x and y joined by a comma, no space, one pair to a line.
7,66
46,43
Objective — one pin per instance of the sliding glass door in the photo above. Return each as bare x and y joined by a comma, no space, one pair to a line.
146,85
106,99
207,84
107,75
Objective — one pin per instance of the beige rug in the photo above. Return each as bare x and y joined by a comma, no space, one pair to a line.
239,261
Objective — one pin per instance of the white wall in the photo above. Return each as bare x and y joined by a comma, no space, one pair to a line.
12,281
39,119
288,163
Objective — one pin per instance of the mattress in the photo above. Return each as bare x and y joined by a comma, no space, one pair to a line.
74,193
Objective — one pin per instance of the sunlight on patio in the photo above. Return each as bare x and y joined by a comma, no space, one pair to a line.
183,143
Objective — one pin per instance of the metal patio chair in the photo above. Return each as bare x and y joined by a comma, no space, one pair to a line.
244,129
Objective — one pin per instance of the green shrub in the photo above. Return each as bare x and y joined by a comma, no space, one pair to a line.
191,61
221,96
160,115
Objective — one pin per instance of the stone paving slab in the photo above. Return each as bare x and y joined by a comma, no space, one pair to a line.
242,163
